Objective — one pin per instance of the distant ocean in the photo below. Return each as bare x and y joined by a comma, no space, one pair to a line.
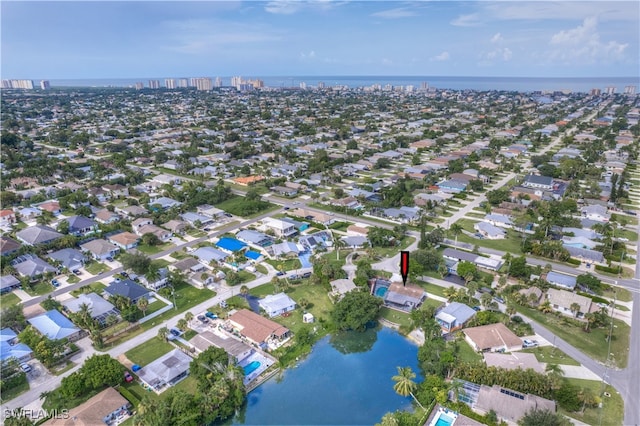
518,84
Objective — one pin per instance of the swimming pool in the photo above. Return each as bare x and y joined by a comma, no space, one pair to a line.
251,367
381,291
305,260
445,420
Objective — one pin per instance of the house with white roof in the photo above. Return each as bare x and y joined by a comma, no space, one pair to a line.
562,301
281,228
454,316
55,326
489,231
277,304
596,212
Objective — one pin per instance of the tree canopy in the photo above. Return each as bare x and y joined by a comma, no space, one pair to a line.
355,310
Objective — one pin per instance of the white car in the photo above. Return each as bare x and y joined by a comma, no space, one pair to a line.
25,367
526,343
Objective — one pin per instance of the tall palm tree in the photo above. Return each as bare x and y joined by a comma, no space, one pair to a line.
456,228
575,309
162,333
188,316
404,383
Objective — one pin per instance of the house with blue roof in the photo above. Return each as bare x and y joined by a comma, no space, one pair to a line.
31,266
127,288
454,316
561,280
452,185
250,236
80,225
69,258
11,348
8,283
55,326
165,202
230,245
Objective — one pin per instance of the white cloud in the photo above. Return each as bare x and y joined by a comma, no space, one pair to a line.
400,12
583,44
308,56
472,20
497,38
444,56
604,10
283,7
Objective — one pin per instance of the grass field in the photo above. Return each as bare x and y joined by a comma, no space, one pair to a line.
96,268
96,287
287,264
612,411
72,279
40,288
155,306
512,243
9,299
148,351
432,288
621,294
186,297
9,394
234,206
551,355
396,317
467,354
593,343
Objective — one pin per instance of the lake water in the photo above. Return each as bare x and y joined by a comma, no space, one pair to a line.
346,380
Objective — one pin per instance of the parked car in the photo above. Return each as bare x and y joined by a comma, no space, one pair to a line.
280,273
203,319
76,272
526,343
287,207
498,299
128,377
109,259
211,315
175,332
25,367
477,308
55,283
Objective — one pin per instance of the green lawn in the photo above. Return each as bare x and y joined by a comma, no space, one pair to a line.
196,233
9,299
179,255
96,268
392,251
186,297
621,294
396,317
235,207
96,287
593,343
432,302
38,289
612,411
9,394
162,263
512,243
148,351
630,219
262,290
432,288
551,355
155,306
287,264
72,279
262,269
147,249
467,354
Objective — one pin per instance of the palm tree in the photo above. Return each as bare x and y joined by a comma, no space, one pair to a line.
456,228
404,383
244,290
162,333
449,293
182,324
143,304
575,309
338,244
188,316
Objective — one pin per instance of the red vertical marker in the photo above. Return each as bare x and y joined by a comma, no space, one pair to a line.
404,266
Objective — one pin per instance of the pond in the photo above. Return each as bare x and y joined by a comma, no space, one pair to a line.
346,380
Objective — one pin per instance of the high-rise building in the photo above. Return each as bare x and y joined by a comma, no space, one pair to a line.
321,85
629,90
595,92
139,85
424,86
170,83
610,90
218,82
236,82
203,83
192,82
303,85
17,84
44,85
154,84
183,83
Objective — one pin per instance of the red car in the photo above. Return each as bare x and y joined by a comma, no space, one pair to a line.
128,377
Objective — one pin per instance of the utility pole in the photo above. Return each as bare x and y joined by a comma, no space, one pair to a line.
606,366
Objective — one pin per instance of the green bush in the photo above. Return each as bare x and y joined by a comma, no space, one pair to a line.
615,270
574,262
129,396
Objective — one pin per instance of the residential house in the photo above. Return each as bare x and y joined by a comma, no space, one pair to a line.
162,234
586,255
50,206
165,203
156,284
454,316
230,245
248,180
165,371
8,245
69,258
213,212
452,186
561,280
106,408
285,249
177,227
196,220
490,231
355,241
401,297
321,218
139,223
187,265
209,254
55,326
8,283
116,190
125,240
38,234
132,211
284,191
257,329
277,304
279,227
256,238
562,301
31,266
7,217
492,338
81,226
100,249
202,279
11,348
129,289
28,213
533,295
538,182
106,217
99,308
498,220
509,406
234,347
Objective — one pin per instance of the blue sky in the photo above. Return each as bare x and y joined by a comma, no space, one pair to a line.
122,39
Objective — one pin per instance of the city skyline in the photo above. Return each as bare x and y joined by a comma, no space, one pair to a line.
122,39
